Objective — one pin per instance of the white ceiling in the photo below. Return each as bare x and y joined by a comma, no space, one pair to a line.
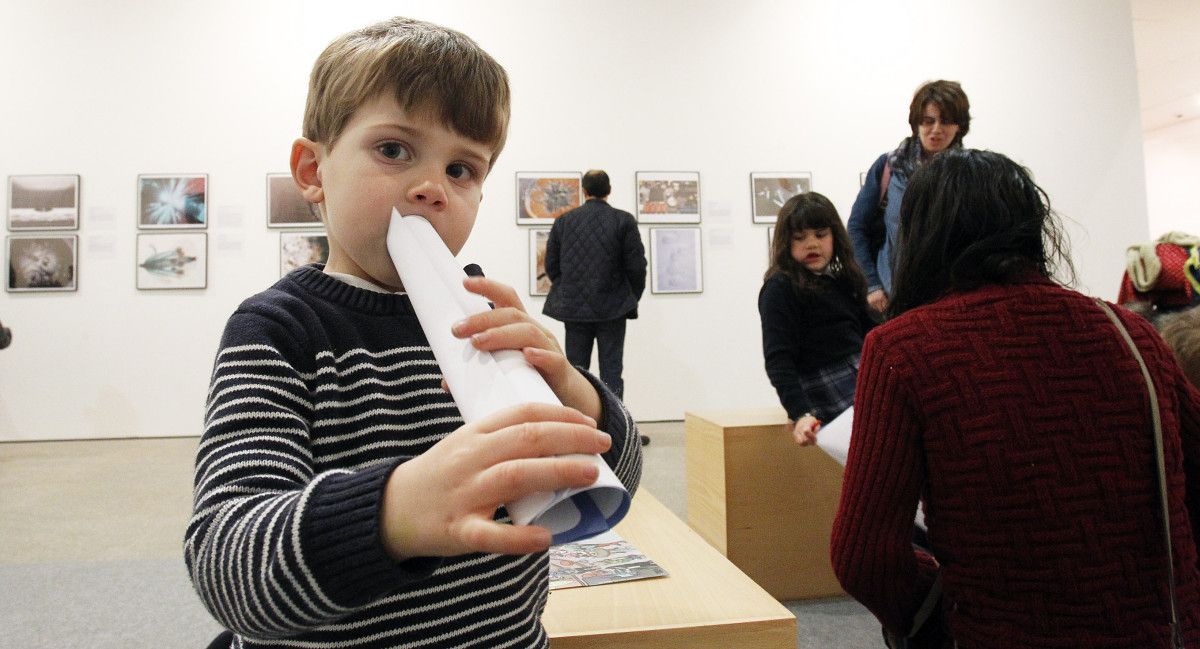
1166,39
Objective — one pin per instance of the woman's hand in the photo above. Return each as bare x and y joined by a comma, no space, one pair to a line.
805,430
509,326
878,300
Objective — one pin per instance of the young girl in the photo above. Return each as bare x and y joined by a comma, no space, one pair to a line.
813,306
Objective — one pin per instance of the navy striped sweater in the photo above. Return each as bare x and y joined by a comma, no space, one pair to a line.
318,391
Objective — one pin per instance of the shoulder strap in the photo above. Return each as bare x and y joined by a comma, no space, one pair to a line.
1176,635
883,184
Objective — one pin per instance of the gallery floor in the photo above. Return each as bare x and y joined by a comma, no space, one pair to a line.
90,537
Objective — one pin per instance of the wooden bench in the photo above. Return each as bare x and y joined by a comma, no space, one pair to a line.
763,501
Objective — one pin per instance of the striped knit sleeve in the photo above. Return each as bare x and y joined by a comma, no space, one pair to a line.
267,531
625,454
871,546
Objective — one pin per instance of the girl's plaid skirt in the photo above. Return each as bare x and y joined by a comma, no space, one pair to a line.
830,390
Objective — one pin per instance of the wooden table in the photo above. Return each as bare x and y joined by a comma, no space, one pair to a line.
705,603
763,501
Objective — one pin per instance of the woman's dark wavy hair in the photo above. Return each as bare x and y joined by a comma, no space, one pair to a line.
971,218
813,211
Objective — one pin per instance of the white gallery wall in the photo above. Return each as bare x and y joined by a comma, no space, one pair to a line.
1172,167
112,90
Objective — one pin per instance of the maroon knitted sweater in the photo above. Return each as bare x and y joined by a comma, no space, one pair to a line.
1019,417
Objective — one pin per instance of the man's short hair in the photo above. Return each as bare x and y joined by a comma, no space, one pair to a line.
428,67
596,185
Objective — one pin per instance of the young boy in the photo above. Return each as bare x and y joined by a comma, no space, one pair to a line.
339,498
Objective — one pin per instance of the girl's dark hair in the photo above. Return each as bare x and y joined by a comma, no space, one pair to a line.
971,218
813,211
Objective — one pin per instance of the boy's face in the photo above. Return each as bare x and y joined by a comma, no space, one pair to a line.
388,157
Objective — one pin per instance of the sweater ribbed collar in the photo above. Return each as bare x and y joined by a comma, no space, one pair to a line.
312,279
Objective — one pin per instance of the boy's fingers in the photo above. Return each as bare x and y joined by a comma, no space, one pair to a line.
502,295
541,440
518,335
531,412
513,480
483,321
484,535
546,360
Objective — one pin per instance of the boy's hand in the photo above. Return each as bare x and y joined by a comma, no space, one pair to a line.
441,502
508,326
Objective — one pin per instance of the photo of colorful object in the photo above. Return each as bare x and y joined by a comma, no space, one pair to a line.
543,196
170,261
179,201
539,281
43,202
668,197
298,249
770,190
42,263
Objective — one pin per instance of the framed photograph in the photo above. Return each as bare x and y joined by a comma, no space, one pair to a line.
543,196
179,201
298,249
539,282
43,202
168,260
286,207
42,262
668,196
675,265
771,189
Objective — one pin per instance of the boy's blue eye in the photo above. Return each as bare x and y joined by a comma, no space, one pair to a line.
460,171
394,151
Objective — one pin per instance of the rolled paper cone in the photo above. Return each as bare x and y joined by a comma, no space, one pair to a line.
482,382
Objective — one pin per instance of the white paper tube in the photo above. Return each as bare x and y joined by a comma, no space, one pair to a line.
484,382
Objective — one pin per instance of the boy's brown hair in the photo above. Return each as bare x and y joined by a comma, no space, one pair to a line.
428,67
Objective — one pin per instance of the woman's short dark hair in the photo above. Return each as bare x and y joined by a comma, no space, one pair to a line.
595,183
971,218
950,99
813,211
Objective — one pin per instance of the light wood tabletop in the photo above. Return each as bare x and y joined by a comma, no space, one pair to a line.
706,602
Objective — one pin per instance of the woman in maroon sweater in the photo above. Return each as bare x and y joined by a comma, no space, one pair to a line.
1013,409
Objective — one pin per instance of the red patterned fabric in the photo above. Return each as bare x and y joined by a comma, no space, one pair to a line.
1172,288
1019,416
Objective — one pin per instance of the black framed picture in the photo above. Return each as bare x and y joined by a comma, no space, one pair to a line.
543,196
43,262
286,207
769,190
172,260
43,202
668,196
172,201
675,260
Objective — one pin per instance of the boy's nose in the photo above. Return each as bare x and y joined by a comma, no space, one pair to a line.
429,193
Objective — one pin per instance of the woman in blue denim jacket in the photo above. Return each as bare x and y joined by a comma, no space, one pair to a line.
940,116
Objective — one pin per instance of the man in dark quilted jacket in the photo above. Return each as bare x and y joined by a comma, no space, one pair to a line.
597,264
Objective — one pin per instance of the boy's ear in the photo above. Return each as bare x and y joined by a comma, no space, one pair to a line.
306,157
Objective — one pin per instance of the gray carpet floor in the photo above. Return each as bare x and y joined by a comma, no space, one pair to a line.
89,558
